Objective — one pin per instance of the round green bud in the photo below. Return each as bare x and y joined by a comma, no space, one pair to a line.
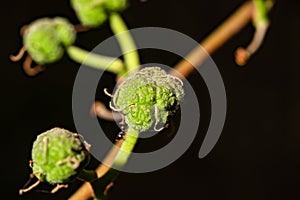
65,31
90,13
58,155
42,43
148,97
93,13
45,39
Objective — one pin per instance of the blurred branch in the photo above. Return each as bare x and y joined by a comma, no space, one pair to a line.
99,109
86,192
240,18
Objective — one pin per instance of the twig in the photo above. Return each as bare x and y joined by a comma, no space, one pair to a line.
215,40
86,191
261,23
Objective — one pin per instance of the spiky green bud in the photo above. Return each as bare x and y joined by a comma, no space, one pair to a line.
148,97
58,155
93,13
45,39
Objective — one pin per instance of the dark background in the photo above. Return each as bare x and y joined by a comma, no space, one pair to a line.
257,156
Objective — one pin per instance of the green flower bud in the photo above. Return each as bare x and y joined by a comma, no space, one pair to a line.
65,31
58,155
93,13
45,39
148,97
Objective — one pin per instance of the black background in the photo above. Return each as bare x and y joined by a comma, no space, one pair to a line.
257,156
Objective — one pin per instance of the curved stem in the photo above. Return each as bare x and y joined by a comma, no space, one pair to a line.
126,148
243,54
126,42
32,71
261,23
19,56
110,169
100,185
97,61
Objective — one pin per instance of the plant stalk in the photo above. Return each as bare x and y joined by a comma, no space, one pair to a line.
115,160
126,42
96,61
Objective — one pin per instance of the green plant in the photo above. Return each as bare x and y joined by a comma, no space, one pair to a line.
146,98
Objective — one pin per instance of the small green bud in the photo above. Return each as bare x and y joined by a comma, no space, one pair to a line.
93,13
65,31
148,97
58,155
45,39
92,17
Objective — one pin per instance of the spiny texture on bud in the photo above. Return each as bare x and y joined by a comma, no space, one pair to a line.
93,13
115,5
58,155
46,38
148,97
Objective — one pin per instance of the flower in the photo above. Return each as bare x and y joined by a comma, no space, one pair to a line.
45,39
58,155
148,97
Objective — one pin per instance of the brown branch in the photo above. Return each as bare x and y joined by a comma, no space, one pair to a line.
99,109
215,40
86,191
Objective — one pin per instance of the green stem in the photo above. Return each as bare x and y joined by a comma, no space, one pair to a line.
126,42
126,148
97,61
99,186
261,15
